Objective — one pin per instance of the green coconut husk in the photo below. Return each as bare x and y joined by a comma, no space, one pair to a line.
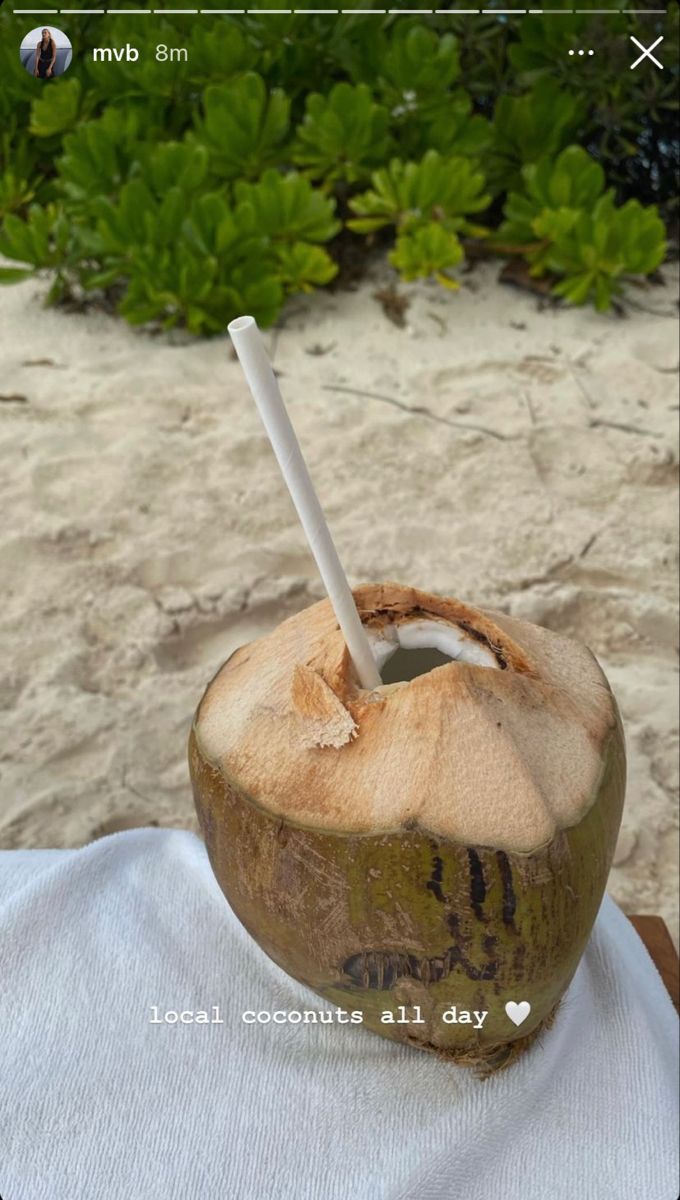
443,840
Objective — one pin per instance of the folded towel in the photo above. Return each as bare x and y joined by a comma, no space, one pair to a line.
100,1102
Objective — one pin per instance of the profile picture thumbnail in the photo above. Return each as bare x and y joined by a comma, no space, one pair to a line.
46,52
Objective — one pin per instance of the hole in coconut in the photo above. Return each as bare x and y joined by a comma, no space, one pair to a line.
408,664
406,650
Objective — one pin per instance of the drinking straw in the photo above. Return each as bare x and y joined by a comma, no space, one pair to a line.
262,382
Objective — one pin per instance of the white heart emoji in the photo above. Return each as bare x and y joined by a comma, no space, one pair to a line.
518,1013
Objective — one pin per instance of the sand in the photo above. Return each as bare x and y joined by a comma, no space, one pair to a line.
512,456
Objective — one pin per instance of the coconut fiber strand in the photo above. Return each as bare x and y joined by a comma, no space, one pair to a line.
98,1103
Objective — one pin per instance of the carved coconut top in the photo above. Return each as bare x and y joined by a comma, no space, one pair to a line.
501,747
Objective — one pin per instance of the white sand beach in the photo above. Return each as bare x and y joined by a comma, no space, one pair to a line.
514,456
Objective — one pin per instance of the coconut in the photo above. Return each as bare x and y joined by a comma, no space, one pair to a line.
443,839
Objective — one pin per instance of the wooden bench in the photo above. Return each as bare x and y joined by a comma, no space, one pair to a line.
660,948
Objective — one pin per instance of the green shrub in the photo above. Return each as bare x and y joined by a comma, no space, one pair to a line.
172,249
343,135
566,224
526,128
573,181
186,192
403,194
427,249
244,126
594,249
629,120
428,204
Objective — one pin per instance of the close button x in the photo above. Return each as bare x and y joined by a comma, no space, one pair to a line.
646,53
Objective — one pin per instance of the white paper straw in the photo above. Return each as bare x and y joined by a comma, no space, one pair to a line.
261,380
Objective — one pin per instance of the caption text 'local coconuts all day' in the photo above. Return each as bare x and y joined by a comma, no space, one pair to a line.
439,839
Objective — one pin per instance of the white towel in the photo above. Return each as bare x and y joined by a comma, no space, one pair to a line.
98,1103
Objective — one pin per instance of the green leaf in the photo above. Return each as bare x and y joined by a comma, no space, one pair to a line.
288,208
98,156
573,180
576,288
261,295
15,192
343,135
426,250
100,279
244,126
543,44
40,240
218,52
455,130
527,128
302,267
438,187
56,111
132,221
182,165
14,275
642,238
556,190
171,215
419,64
603,293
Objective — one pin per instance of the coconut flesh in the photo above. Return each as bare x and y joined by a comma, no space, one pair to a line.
442,839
